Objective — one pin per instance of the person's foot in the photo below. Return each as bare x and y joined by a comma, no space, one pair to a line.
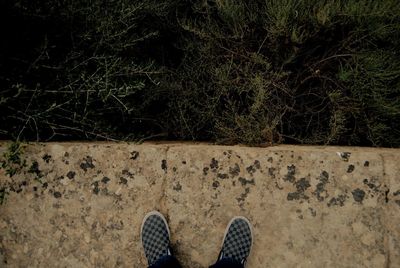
155,237
237,241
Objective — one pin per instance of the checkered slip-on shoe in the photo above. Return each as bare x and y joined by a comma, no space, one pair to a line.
237,241
155,237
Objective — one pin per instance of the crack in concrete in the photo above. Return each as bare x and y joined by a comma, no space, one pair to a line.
162,201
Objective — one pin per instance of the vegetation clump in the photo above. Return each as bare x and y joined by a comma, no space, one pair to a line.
230,71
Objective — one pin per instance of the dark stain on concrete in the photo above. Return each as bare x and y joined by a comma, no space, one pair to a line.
71,175
293,196
350,168
296,196
105,180
134,155
387,191
127,173
34,168
87,163
46,158
222,176
164,165
377,188
313,212
177,187
214,164
243,197
358,195
215,184
337,201
324,177
320,190
366,164
271,172
290,175
251,169
301,186
372,184
64,158
277,186
234,171
245,181
96,188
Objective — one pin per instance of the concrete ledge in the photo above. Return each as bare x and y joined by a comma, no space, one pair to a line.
81,204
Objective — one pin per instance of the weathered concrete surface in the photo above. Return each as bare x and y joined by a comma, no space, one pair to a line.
81,205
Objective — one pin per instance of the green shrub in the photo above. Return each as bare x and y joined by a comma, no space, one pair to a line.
231,71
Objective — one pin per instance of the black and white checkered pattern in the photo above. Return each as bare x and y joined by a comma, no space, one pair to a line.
238,240
155,237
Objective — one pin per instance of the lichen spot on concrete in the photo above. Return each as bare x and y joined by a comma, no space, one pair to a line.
358,195
350,168
290,175
214,164
87,163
